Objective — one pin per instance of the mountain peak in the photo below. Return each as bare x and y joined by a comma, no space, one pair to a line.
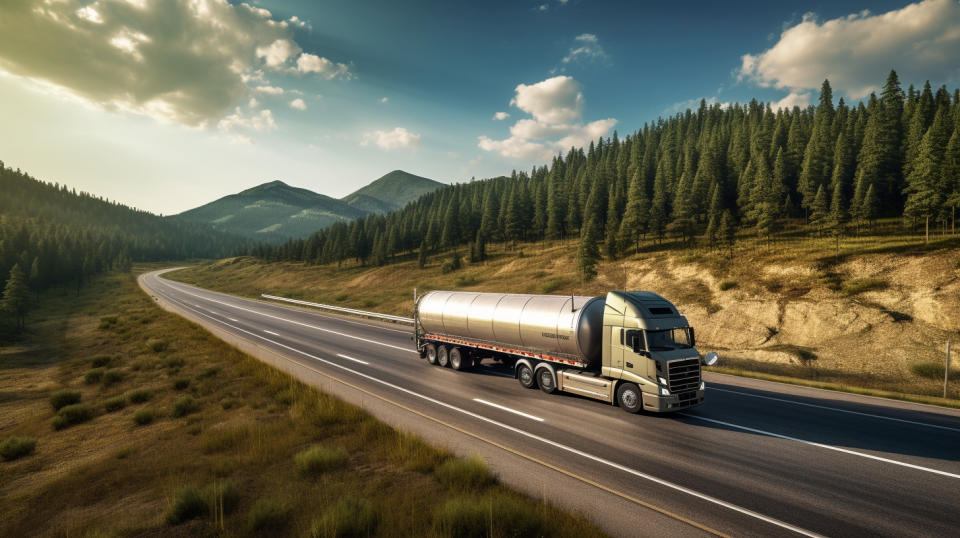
391,191
270,185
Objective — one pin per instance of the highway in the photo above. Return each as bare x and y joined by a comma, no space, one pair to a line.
757,459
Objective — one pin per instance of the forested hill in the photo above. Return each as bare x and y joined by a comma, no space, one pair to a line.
697,176
54,234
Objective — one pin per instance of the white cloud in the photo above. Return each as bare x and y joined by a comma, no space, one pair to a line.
383,99
183,61
501,115
694,104
399,137
297,21
586,48
253,103
311,63
269,90
235,124
298,104
556,105
277,53
554,100
793,99
856,52
543,7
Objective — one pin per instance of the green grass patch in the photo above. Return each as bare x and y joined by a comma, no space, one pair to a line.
144,417
188,503
17,447
184,406
112,377
93,376
470,473
348,517
491,515
181,384
101,361
862,285
139,396
72,414
223,439
156,345
267,515
932,370
727,285
320,459
114,404
63,398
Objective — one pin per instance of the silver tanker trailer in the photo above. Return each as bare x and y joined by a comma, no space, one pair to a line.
629,348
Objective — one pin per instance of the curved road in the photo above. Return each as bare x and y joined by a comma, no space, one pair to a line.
757,459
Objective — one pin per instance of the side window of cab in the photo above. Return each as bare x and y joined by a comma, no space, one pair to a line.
633,339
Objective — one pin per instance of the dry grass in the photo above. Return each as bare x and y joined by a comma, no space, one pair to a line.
794,307
224,464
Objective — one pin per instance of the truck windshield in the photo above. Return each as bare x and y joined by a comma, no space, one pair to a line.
670,339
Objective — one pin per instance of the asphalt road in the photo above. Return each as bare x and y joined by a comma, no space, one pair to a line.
757,459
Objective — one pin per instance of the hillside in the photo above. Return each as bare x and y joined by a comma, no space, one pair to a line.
391,192
273,211
875,317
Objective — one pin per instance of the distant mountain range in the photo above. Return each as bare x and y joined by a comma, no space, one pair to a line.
276,211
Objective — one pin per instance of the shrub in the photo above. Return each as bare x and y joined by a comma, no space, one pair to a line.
727,285
224,438
115,404
181,384
63,398
223,497
93,376
210,372
188,503
453,264
111,377
72,414
349,517
861,285
100,361
552,284
469,473
143,417
156,345
932,370
466,280
174,362
266,515
139,395
367,303
230,403
107,321
183,406
319,459
17,447
495,515
341,297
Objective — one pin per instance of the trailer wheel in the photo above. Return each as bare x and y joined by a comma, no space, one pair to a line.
457,360
431,351
546,381
443,357
629,398
526,377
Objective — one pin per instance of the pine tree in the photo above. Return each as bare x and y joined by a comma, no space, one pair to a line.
422,256
478,250
635,217
925,192
870,207
16,296
728,231
950,176
819,210
838,209
713,217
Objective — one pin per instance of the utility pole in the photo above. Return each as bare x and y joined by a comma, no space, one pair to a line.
946,371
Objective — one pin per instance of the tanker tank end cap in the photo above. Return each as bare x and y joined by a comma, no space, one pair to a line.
711,358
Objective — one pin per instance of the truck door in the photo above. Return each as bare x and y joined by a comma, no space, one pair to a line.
616,350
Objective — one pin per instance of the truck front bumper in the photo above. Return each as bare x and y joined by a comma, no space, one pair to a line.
674,402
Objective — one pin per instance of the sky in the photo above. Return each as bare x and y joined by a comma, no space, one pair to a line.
165,105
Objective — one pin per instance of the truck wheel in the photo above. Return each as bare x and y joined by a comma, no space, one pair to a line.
457,360
431,351
629,398
546,381
526,377
443,358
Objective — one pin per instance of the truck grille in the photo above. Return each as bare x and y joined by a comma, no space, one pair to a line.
683,375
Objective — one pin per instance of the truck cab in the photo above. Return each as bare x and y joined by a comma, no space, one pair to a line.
647,344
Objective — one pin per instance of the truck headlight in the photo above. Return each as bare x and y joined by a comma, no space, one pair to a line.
703,385
662,381
664,391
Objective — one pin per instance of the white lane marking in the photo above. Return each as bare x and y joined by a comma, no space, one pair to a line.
234,320
181,285
345,335
270,332
342,356
514,411
821,445
713,387
544,440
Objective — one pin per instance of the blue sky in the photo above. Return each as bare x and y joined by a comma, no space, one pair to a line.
168,107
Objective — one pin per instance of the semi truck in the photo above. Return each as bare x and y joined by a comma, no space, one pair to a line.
628,348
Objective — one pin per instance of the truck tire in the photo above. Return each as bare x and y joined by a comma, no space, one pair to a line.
629,397
457,360
431,352
546,380
443,357
526,377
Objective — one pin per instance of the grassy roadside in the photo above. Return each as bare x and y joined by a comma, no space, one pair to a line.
162,429
873,319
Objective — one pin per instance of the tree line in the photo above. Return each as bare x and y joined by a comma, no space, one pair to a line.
51,236
699,175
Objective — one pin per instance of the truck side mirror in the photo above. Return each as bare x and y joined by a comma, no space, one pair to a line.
711,358
693,338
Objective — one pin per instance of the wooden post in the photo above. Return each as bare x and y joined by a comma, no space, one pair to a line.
946,371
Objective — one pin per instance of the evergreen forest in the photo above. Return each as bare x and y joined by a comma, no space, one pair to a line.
699,177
